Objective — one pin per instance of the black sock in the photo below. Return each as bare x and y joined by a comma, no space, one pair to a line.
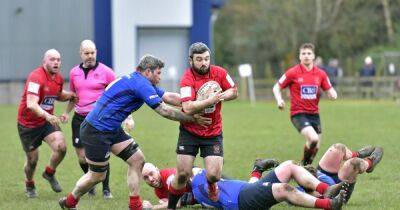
84,167
106,180
173,200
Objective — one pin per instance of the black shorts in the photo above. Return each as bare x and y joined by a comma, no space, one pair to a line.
76,122
303,120
31,138
258,195
98,144
189,144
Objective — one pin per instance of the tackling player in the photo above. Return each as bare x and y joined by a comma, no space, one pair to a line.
305,82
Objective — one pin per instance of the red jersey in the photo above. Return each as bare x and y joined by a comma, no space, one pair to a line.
190,84
167,175
305,88
48,89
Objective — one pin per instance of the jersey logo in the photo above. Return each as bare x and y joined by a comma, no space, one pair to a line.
308,91
48,102
266,184
153,96
76,140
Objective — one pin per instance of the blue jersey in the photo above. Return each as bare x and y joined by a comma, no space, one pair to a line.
122,97
228,192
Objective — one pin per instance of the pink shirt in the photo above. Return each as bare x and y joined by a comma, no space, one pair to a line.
89,88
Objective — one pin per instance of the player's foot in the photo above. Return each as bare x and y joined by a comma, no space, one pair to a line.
92,192
334,190
31,192
261,165
337,202
213,192
53,182
63,204
107,194
365,151
375,157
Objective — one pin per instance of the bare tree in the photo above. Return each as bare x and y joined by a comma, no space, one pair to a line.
388,20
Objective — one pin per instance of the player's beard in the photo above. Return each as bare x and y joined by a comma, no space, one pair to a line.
202,70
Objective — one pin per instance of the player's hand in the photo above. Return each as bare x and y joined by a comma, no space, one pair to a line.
146,205
64,118
128,124
74,98
203,121
281,104
53,120
216,98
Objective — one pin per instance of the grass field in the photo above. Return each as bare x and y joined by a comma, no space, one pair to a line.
250,132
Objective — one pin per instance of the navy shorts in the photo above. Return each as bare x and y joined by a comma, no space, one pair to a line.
258,195
98,144
31,138
303,120
76,122
189,144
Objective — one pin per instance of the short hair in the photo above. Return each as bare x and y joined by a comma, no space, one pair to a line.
198,48
149,62
307,46
87,43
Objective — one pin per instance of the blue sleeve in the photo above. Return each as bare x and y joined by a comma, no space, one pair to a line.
160,92
150,96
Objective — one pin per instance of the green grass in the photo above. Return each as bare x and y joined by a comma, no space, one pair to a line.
250,132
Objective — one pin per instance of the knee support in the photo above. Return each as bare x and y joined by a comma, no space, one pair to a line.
99,169
126,153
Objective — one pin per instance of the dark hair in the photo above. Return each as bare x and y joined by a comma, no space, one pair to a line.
149,62
198,48
307,46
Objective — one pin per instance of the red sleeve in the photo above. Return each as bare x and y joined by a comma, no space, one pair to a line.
226,80
187,88
33,84
71,81
286,79
325,83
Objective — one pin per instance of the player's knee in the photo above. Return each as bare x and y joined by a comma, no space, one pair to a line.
183,177
285,189
213,178
339,147
356,164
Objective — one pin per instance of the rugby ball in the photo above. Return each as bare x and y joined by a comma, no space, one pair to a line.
207,90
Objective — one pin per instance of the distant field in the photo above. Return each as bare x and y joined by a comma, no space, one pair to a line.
250,132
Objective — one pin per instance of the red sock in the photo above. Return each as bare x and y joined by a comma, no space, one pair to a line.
322,203
29,183
369,162
354,154
71,201
255,174
50,171
135,203
322,187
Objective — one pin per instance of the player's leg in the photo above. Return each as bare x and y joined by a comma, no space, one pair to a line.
129,151
334,156
285,192
29,168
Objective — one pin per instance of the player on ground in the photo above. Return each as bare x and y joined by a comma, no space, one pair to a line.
37,123
305,81
201,77
102,134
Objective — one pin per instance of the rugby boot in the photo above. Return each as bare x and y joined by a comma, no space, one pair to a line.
261,165
31,192
337,202
107,194
53,182
92,192
375,157
213,192
334,190
63,204
365,151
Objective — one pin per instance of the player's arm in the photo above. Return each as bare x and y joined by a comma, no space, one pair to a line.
331,92
173,99
67,95
193,107
230,94
32,103
172,113
65,116
278,96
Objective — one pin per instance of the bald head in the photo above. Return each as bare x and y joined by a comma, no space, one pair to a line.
88,53
52,61
151,175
